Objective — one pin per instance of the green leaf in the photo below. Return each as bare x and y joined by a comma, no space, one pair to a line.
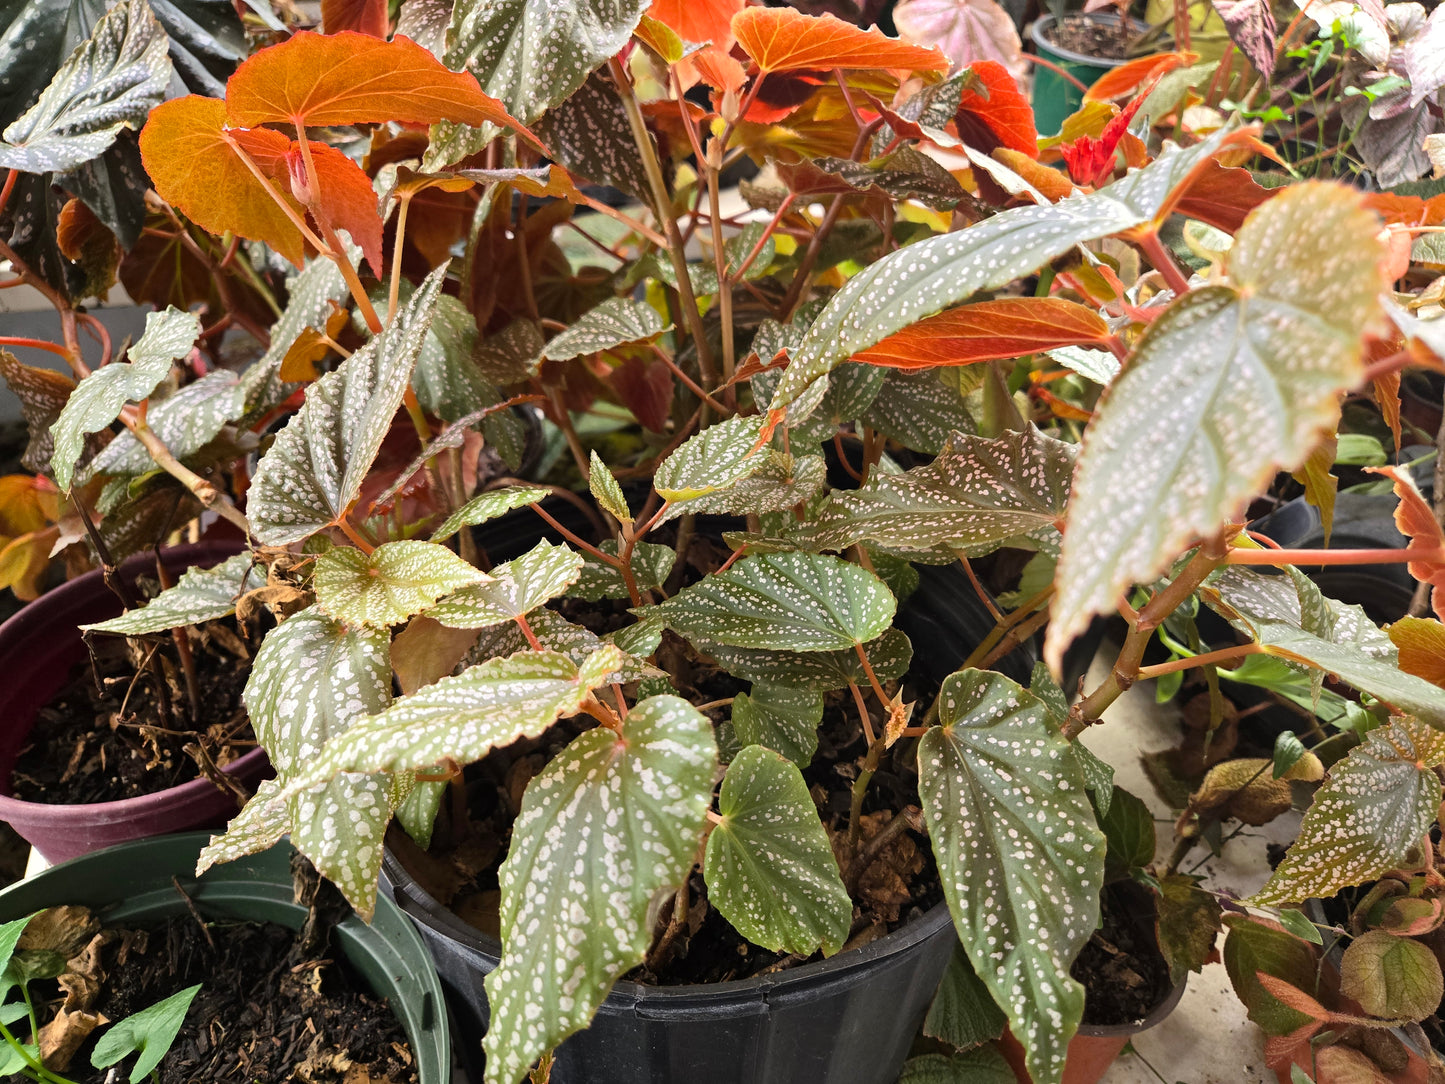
1254,945
589,135
918,410
98,400
312,679
1021,860
769,866
1230,384
148,1033
110,82
1296,923
904,174
387,586
555,632
308,478
1100,366
487,506
185,422
737,249
9,937
615,322
535,56
605,489
978,495
719,456
1368,818
518,587
963,1014
448,382
200,595
651,565
612,822
1391,977
984,1065
783,601
781,717
821,671
1098,775
925,278
311,292
778,483
1188,924
1128,830
1273,611
1287,751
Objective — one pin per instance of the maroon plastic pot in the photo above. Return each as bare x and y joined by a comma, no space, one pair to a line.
38,648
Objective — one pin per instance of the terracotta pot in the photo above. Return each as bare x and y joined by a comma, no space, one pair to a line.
38,648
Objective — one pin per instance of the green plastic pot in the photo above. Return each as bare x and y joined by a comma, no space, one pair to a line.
132,883
1054,97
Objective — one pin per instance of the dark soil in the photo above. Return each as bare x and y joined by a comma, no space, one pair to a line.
121,728
1125,976
1080,34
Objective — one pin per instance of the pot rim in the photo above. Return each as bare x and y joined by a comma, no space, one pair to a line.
1036,30
1160,1011
444,922
35,618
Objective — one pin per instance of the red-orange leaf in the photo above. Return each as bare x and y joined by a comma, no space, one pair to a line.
700,21
1127,78
1053,184
992,113
718,69
1007,328
193,167
349,78
364,16
1416,521
1222,196
783,40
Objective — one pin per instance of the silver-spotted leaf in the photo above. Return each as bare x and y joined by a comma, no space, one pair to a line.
98,400
487,506
312,679
512,354
391,583
201,594
518,587
610,823
780,482
1098,775
1229,385
783,718
821,671
185,421
556,633
605,489
769,867
1021,859
589,135
919,410
717,457
111,81
308,478
1368,818
310,293
615,322
651,565
783,602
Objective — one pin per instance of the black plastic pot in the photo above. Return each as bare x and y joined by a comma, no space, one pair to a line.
136,882
846,1020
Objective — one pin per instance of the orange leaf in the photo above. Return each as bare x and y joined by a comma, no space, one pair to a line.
193,167
1053,184
1222,196
1127,78
1422,647
349,78
1292,996
1416,521
1007,328
1387,398
364,16
992,113
699,21
718,69
21,506
783,40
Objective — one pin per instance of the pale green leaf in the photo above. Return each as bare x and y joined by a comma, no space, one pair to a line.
1368,818
149,1033
185,422
781,717
1100,366
308,478
769,867
1229,385
200,595
822,671
963,1013
1296,923
111,82
783,601
711,460
612,822
605,489
487,506
518,587
1021,859
391,583
651,565
98,400
615,322
778,483
310,293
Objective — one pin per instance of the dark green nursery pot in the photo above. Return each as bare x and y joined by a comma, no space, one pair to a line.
1054,97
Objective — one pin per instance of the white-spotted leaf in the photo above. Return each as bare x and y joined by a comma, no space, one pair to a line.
98,400
919,410
556,633
1229,385
391,583
185,421
821,671
308,478
781,717
605,489
1021,859
1369,817
615,322
651,565
200,595
717,457
487,506
783,602
518,587
310,293
769,867
610,823
779,482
